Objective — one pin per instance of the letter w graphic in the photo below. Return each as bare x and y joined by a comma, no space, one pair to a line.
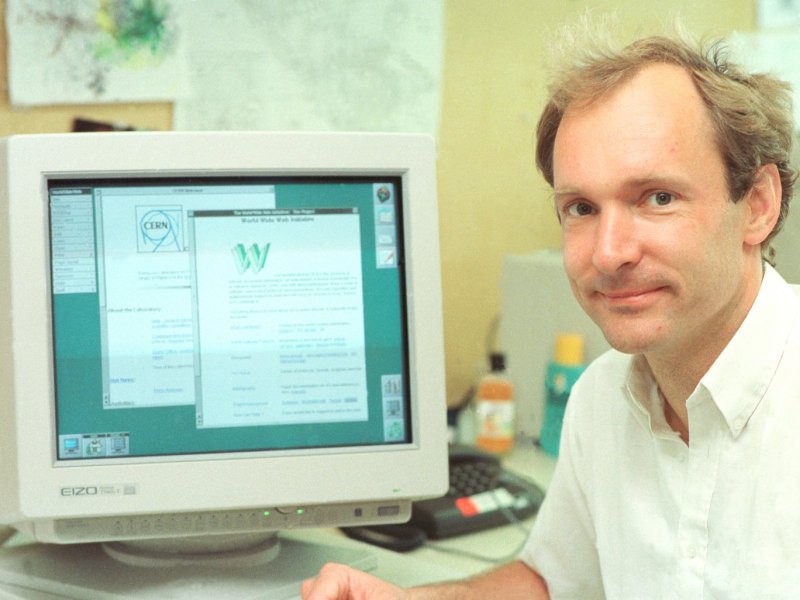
253,258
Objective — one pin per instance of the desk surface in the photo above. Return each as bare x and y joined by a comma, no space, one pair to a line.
440,560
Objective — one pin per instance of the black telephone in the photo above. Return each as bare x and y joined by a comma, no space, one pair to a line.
482,495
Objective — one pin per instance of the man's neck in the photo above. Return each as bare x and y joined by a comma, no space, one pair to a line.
676,382
678,422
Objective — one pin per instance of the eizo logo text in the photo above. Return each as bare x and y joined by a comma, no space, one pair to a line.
253,258
79,491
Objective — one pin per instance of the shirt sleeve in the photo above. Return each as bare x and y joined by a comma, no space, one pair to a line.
561,546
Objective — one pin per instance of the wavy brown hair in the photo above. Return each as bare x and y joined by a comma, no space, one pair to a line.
750,113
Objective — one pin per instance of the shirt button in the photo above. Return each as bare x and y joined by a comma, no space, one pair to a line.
691,552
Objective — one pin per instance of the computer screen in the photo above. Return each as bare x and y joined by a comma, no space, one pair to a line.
200,316
217,335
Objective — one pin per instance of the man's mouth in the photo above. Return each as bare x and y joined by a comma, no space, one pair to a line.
630,297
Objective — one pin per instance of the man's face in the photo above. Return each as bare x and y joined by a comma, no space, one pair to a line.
653,246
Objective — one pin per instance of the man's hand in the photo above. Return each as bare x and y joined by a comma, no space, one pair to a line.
338,582
514,581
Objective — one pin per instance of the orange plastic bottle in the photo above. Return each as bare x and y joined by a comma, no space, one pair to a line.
494,408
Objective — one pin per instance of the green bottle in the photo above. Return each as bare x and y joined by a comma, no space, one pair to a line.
562,373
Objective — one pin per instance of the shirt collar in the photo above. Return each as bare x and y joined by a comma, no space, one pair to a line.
739,378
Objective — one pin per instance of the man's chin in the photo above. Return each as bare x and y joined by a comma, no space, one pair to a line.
628,340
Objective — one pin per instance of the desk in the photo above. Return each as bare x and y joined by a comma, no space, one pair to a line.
437,561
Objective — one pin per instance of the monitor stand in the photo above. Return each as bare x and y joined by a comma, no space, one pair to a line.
92,572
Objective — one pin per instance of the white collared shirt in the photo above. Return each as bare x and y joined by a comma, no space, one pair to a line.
633,513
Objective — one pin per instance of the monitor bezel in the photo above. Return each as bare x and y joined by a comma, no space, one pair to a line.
419,467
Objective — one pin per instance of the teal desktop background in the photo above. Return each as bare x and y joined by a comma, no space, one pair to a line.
171,429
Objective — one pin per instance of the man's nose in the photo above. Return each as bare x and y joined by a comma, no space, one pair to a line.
616,241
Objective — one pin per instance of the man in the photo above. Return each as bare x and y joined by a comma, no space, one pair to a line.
677,475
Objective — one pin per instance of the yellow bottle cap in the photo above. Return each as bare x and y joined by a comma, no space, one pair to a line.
569,349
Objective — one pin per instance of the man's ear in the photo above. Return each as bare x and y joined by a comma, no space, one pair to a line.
764,204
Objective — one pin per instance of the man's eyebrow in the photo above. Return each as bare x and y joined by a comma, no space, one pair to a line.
633,183
566,192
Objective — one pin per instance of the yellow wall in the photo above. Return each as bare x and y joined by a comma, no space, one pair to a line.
492,202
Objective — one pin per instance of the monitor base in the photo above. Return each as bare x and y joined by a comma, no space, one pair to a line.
216,551
86,571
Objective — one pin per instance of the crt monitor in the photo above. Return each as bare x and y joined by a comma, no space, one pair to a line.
206,338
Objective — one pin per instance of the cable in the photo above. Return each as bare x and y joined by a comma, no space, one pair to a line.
492,332
495,560
6,533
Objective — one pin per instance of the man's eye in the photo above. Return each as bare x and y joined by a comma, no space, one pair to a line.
579,209
660,198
